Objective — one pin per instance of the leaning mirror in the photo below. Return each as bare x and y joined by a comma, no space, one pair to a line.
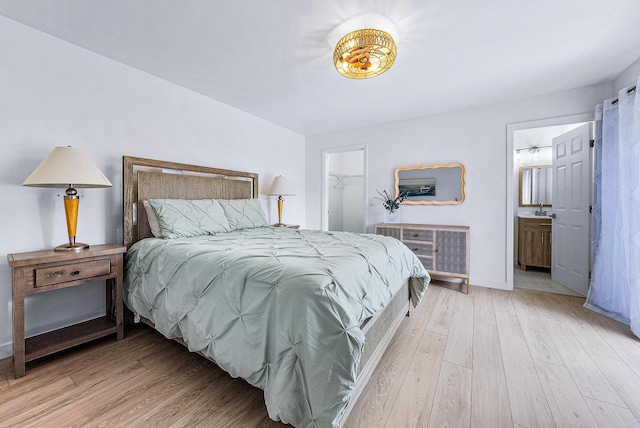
441,184
535,186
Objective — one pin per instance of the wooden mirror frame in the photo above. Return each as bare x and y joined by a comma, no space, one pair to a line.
529,167
436,166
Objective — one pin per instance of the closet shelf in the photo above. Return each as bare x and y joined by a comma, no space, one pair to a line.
343,180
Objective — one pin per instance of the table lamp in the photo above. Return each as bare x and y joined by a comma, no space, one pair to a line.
280,187
68,166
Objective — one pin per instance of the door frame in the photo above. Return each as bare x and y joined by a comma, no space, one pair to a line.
325,177
511,128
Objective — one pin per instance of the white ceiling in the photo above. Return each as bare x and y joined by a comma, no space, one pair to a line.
273,58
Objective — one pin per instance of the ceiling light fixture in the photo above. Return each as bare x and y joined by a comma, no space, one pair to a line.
364,53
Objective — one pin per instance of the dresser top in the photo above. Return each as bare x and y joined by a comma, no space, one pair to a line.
422,226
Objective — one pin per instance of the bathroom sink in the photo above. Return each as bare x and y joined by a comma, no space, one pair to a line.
534,215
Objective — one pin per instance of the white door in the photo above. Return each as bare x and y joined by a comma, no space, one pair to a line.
571,178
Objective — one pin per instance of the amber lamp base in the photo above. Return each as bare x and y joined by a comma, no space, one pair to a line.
76,246
71,204
280,203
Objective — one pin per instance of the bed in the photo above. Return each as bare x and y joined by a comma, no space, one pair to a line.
305,315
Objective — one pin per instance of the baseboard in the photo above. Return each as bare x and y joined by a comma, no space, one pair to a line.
6,350
490,283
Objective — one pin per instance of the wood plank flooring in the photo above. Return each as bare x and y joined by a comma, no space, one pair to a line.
488,359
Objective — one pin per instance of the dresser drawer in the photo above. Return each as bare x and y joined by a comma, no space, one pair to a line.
59,274
535,222
394,232
417,235
420,248
427,262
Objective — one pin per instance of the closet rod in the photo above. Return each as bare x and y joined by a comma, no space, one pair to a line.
631,89
531,148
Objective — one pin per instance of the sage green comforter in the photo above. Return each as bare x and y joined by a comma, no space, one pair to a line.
281,308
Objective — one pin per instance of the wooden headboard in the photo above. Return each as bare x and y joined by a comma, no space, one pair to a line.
148,178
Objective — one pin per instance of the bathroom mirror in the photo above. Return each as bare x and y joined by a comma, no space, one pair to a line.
441,184
535,186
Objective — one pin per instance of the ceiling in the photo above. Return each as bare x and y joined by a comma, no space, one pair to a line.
273,59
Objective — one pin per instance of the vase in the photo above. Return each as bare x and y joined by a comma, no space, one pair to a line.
392,216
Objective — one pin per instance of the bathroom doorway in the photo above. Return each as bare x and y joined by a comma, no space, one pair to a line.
344,189
533,157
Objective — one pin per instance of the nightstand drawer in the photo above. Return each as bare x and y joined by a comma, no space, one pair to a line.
417,235
420,248
71,272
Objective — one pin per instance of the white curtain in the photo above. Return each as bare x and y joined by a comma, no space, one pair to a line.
615,284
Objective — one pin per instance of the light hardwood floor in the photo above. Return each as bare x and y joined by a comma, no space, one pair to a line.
488,359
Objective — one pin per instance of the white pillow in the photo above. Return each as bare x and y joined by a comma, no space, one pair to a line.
152,218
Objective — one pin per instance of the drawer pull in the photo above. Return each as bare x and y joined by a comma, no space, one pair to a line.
416,249
60,273
52,275
435,251
416,236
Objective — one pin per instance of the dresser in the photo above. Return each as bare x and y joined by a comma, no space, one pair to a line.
443,250
534,242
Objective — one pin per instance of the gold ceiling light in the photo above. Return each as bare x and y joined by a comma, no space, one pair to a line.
364,53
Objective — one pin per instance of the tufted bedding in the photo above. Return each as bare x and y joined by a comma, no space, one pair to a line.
281,308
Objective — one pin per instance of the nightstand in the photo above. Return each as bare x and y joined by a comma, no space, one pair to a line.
289,226
41,271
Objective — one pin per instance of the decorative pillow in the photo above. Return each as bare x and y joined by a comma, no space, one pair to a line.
243,213
152,219
180,218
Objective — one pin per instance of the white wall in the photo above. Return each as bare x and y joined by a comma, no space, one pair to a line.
54,93
628,77
474,137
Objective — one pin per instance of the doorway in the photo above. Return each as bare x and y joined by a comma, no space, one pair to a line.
530,149
344,171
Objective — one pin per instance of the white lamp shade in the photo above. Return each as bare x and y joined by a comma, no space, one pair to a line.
67,166
280,187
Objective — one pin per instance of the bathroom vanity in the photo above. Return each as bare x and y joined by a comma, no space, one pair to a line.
534,241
